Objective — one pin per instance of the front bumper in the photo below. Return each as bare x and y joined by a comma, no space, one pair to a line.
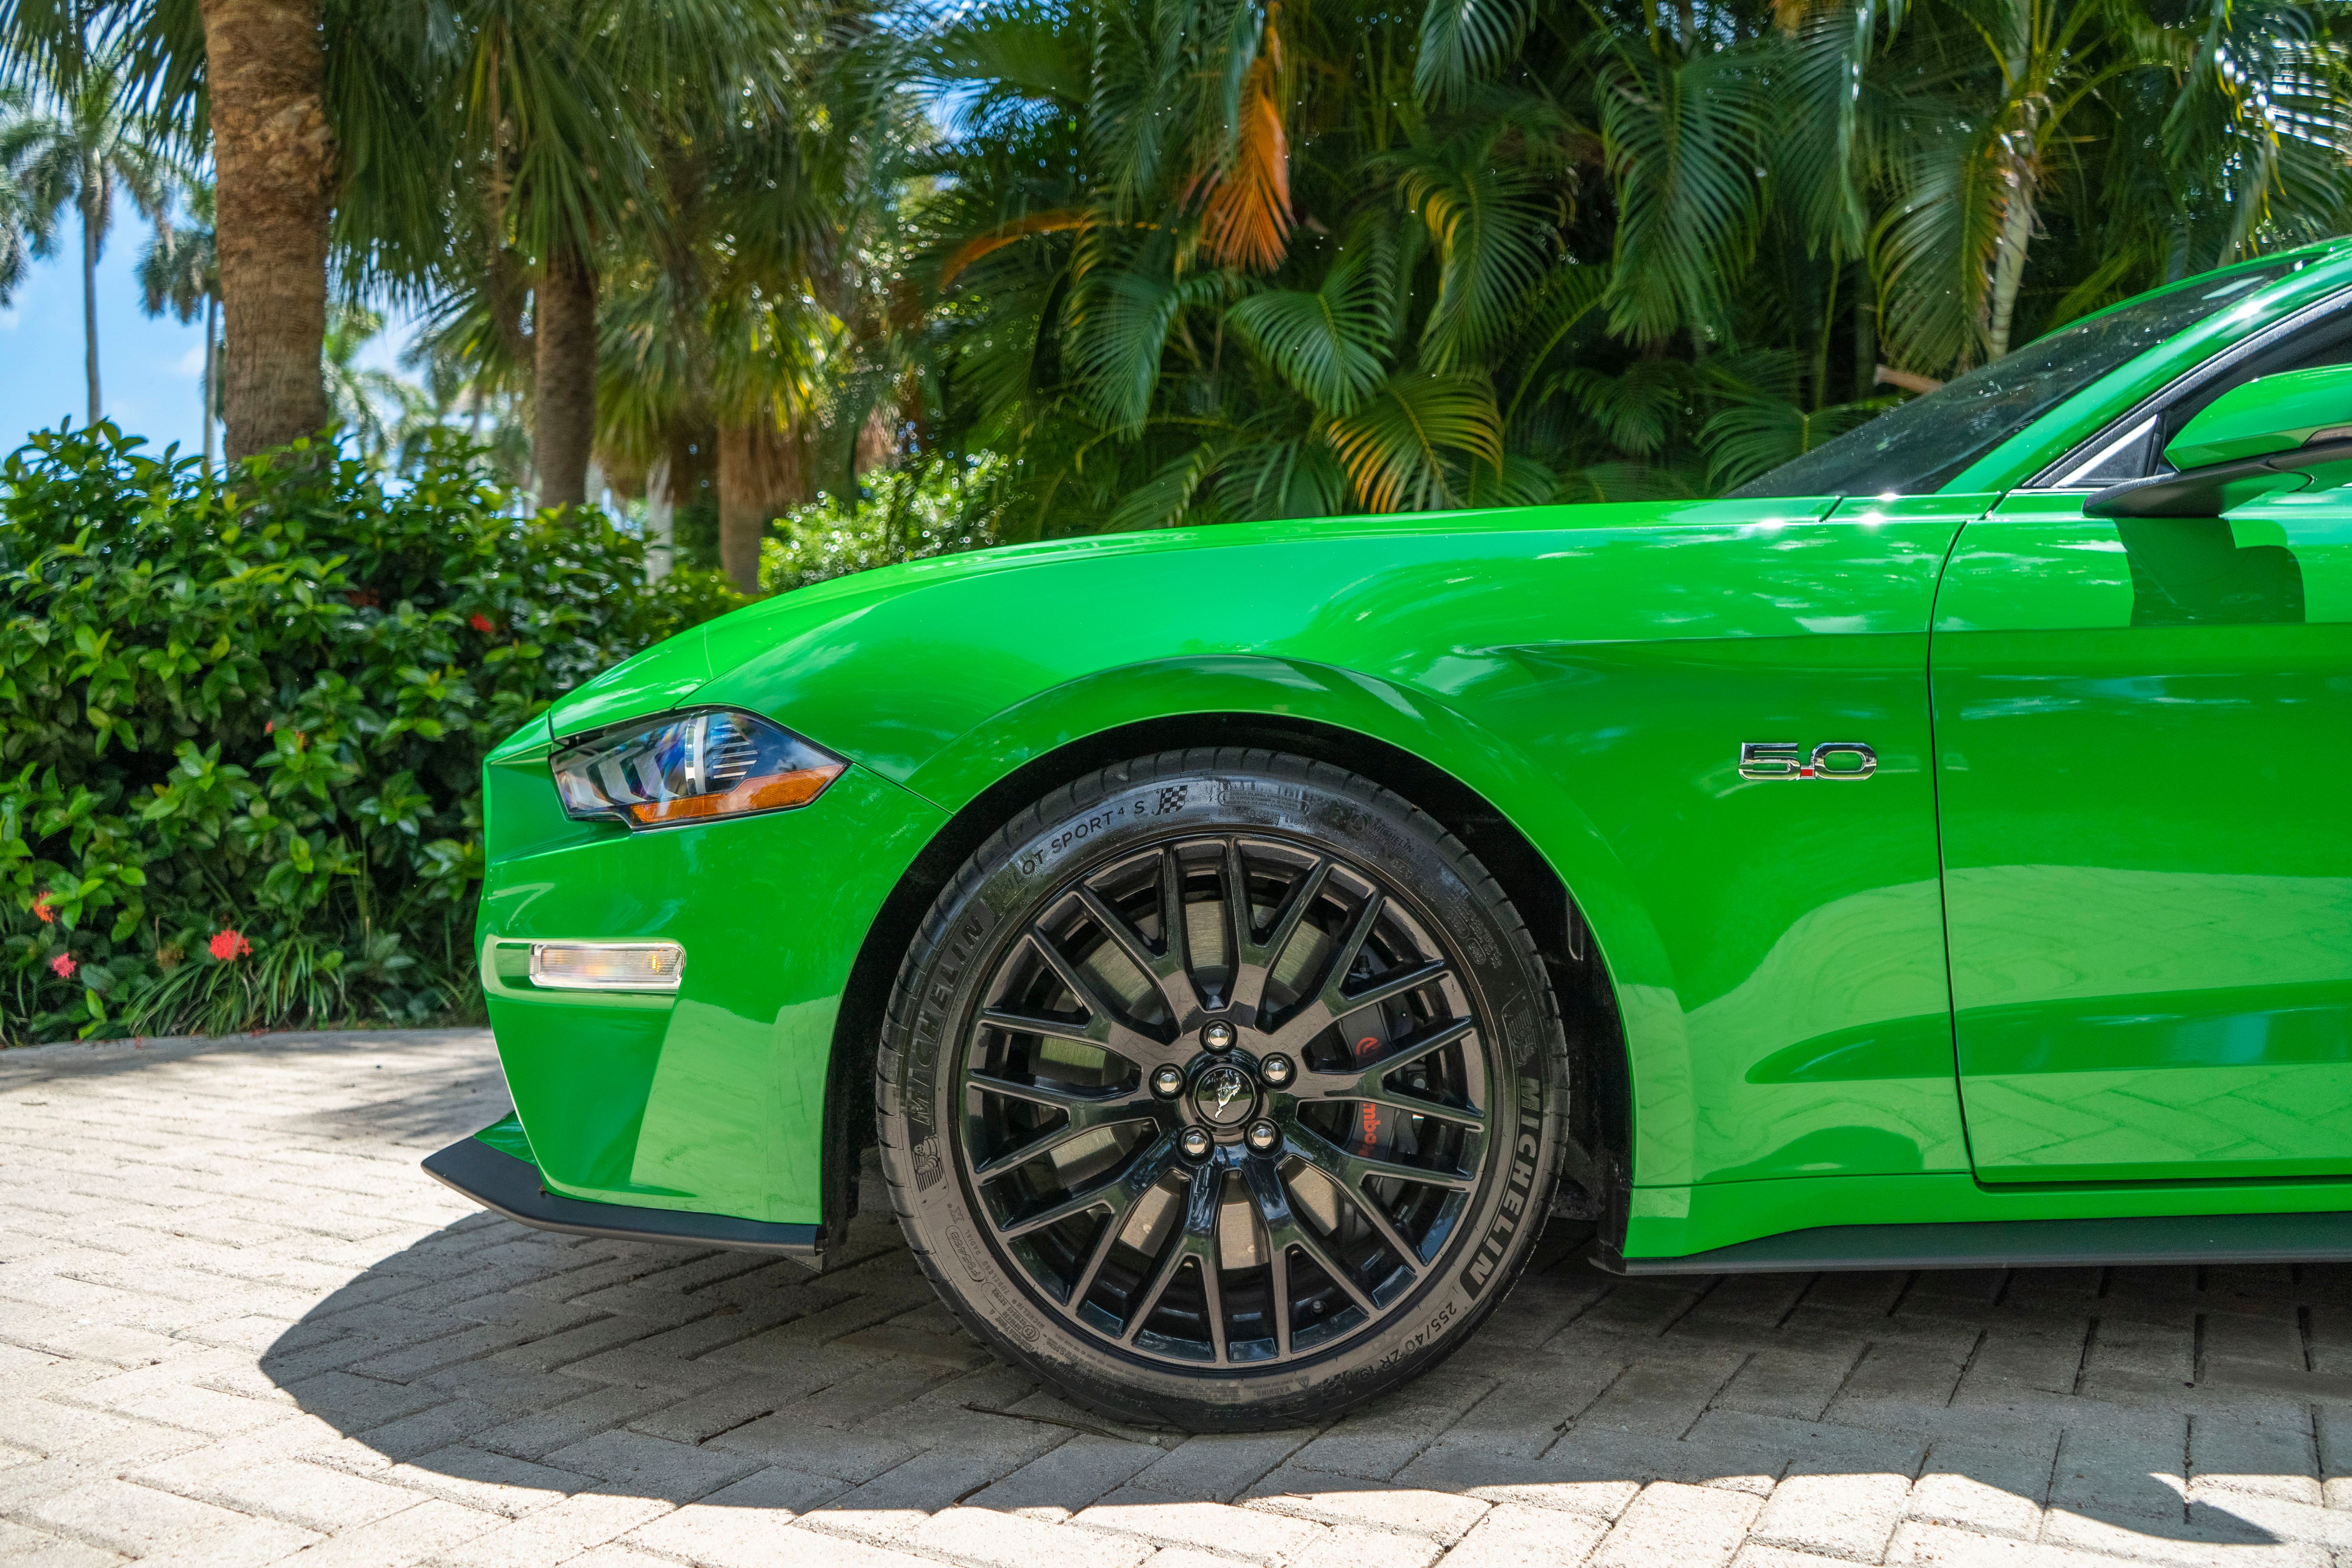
509,1184
713,1099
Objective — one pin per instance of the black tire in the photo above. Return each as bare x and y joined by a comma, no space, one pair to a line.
1266,1297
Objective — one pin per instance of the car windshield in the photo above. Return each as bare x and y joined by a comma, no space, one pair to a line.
1921,446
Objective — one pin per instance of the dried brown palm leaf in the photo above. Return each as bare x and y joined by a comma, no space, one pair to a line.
1245,217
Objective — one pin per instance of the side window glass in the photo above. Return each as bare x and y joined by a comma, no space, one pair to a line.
2138,453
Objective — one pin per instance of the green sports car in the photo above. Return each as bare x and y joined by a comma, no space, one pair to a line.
1240,941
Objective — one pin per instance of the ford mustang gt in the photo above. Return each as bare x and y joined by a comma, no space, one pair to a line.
1238,941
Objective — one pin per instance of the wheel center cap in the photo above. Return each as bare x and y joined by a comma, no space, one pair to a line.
1223,1096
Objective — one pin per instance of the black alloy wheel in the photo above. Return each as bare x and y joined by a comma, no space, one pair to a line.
1243,1100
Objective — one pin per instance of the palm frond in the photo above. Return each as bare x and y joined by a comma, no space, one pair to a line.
1246,213
1327,344
1399,448
1494,239
1933,252
1754,436
1465,41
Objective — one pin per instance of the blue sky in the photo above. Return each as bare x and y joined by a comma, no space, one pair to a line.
150,370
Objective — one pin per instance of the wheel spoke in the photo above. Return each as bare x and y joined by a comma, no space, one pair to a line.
1286,1229
1078,1203
1264,1180
1175,934
1107,1026
1352,1170
1091,1269
1088,1103
1377,1218
1118,1192
1171,1261
1115,926
1202,1216
1413,1105
1330,1002
1395,982
1278,1273
1343,956
1241,920
1367,1080
1037,1148
1256,960
1092,1032
1294,909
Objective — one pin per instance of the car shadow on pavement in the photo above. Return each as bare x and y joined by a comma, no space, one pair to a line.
511,1369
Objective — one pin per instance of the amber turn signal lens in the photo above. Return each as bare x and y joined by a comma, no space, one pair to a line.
771,794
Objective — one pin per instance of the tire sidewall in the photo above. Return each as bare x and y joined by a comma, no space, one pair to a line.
1117,813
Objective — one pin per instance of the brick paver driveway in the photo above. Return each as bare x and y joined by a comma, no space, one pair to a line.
237,1324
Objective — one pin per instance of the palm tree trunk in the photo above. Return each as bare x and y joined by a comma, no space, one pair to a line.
212,369
273,153
2009,253
563,346
661,522
760,474
1865,336
89,305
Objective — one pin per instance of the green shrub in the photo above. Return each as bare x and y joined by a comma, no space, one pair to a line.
938,508
242,726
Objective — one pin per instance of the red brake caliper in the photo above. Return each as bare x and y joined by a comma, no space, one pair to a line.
1372,1120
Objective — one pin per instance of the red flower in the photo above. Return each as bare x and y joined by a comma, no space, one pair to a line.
62,967
482,623
270,727
228,945
41,910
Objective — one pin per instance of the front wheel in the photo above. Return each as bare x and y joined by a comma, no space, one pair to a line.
1221,1089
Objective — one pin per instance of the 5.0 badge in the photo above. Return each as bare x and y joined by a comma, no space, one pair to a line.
1764,760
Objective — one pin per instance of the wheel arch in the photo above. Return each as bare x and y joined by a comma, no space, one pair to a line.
1596,1174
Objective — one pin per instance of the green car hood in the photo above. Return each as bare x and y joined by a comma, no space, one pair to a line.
892,667
670,673
666,674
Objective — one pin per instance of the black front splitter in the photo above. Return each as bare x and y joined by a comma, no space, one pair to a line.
511,1186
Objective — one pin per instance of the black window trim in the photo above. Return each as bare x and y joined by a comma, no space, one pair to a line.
2048,478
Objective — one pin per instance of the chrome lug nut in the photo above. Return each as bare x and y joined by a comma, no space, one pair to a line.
1218,1037
1262,1136
1167,1083
1276,1071
1194,1142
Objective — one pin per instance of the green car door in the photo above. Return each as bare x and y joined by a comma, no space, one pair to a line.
2143,729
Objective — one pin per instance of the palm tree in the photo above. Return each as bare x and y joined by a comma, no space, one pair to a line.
20,224
759,316
250,76
537,156
84,144
180,271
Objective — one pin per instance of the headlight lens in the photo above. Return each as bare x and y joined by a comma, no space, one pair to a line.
690,767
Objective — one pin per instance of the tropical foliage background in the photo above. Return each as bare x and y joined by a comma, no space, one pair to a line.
798,287
1158,260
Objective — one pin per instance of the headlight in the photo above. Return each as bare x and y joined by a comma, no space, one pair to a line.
689,767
